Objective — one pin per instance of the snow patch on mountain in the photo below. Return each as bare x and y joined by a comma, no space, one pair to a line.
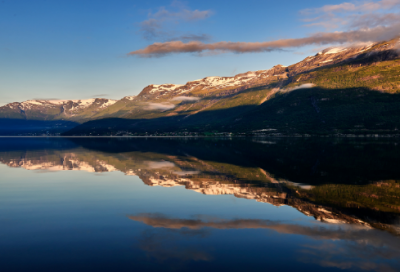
224,82
85,102
130,97
59,102
309,58
335,50
78,104
164,87
82,104
108,103
28,104
366,48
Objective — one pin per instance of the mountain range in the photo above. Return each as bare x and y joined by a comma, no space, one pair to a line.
342,90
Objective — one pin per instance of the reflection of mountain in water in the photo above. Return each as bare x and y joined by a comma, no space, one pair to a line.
375,203
68,161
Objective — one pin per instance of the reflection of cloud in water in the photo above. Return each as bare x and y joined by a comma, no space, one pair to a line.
184,173
343,247
44,171
301,185
360,256
330,232
160,164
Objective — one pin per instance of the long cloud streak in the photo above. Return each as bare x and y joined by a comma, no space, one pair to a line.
364,6
374,34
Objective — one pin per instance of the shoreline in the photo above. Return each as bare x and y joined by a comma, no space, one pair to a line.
372,136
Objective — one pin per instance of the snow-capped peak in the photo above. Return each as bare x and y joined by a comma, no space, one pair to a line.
77,104
164,87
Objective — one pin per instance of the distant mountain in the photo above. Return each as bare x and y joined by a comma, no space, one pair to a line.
343,90
48,117
74,110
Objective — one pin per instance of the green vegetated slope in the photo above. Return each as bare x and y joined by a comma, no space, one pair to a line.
360,95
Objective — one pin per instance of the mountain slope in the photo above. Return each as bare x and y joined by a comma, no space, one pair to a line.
332,92
337,91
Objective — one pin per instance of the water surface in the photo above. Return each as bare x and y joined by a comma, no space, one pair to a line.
159,204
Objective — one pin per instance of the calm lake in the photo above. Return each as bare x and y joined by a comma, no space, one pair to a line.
186,204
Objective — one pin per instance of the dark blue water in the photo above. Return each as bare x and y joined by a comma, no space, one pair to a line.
135,204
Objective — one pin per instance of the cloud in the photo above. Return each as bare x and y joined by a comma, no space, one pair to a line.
350,255
192,37
3,103
157,23
98,95
373,20
160,164
351,7
166,48
303,86
326,232
160,106
366,21
186,98
340,246
359,15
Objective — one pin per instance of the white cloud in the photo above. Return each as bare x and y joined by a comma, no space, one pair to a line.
357,15
186,98
365,21
303,86
157,23
160,106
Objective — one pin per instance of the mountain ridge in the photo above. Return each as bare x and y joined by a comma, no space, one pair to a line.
243,92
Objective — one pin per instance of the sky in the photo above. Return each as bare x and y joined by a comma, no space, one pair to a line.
81,49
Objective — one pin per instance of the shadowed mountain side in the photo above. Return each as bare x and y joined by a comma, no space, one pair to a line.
326,111
315,111
202,121
27,144
14,127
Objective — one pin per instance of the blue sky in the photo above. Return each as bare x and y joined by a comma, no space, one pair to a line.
70,49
